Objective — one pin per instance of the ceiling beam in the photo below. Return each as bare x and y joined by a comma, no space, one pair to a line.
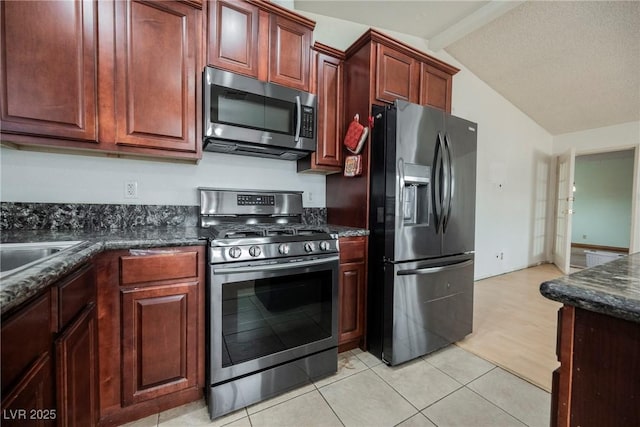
472,22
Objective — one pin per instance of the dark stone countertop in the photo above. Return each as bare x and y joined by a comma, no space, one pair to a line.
612,288
344,231
23,284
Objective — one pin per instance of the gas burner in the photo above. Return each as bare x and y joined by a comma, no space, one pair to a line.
309,231
279,232
243,232
239,234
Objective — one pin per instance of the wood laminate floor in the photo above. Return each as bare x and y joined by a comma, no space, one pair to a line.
514,326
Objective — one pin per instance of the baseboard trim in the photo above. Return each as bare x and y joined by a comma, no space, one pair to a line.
600,248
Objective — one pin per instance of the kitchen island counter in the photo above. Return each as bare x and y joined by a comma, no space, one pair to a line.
598,345
612,288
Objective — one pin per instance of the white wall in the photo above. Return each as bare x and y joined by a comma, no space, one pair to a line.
514,157
602,203
616,137
29,176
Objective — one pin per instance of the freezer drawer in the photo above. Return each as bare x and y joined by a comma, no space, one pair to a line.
432,307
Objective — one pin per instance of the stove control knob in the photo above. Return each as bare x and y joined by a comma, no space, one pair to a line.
235,252
324,246
308,247
283,249
254,251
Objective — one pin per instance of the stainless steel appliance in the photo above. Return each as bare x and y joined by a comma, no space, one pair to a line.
272,291
243,115
422,224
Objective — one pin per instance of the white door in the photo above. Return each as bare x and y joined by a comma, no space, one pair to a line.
564,210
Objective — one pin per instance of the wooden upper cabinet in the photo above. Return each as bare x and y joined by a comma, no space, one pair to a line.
396,75
261,39
233,36
155,75
327,83
289,53
330,81
49,77
435,87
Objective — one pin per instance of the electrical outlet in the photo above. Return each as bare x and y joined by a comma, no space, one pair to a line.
131,189
309,196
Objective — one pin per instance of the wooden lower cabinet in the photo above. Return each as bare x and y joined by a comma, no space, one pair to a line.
597,383
159,348
352,292
49,356
31,402
151,326
77,371
27,370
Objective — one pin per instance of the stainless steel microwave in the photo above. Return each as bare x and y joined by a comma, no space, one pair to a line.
243,115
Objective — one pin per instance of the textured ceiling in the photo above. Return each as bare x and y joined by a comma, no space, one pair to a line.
419,18
569,66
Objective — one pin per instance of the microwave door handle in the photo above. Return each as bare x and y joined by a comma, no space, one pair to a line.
298,118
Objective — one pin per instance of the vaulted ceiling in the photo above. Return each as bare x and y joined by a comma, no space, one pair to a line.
569,65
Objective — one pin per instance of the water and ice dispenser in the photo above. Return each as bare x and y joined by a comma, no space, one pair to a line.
416,193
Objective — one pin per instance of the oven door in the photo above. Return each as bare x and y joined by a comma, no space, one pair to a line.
265,315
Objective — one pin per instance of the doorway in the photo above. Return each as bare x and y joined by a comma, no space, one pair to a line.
609,205
603,205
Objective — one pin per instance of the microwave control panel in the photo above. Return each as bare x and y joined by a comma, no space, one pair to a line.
308,119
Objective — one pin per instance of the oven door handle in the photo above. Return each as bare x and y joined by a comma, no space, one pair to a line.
274,267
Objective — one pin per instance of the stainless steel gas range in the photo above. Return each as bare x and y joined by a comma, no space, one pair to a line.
272,291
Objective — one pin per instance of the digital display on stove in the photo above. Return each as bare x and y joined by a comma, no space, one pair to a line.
256,200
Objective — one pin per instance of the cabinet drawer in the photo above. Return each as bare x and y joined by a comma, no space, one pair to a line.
73,295
25,337
352,249
153,265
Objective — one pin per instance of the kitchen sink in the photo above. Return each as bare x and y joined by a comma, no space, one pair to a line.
17,256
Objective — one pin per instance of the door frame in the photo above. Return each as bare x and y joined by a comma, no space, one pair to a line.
634,241
564,262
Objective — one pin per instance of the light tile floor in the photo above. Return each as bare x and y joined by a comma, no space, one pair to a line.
451,387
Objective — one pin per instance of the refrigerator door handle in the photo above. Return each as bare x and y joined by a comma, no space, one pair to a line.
450,182
437,183
432,270
401,183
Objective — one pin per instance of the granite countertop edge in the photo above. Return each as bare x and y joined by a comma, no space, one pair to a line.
19,287
612,288
599,302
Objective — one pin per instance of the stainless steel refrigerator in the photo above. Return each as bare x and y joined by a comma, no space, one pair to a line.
422,226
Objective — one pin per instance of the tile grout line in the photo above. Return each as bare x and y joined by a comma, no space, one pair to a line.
494,404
